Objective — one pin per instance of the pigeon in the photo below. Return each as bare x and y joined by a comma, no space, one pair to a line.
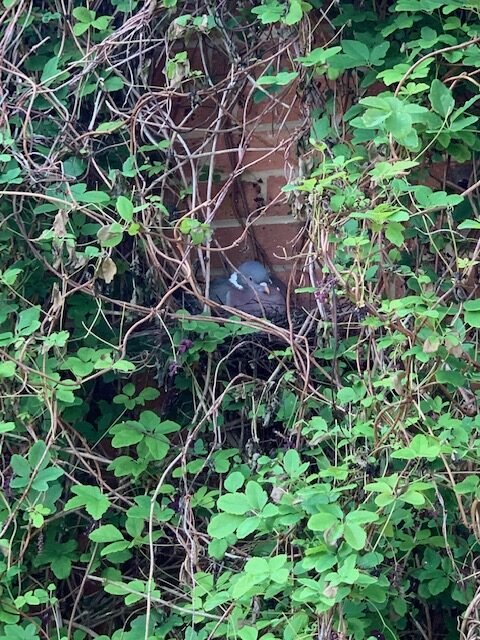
251,289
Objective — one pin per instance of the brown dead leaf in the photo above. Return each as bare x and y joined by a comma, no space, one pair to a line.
107,270
60,224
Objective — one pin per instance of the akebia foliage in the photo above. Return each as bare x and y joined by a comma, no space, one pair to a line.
159,481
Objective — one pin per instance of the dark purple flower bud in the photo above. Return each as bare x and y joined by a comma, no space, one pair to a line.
175,504
321,295
184,345
173,369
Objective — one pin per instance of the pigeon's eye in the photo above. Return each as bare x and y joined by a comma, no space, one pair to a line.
250,278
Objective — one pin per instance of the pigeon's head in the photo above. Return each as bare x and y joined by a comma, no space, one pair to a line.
252,274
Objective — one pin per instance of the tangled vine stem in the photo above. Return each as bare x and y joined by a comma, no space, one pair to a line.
238,477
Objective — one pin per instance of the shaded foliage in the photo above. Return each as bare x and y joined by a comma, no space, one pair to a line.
172,474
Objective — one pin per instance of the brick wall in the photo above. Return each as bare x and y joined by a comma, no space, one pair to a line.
254,156
253,151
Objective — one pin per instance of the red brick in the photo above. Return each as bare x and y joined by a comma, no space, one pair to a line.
263,153
232,205
244,198
275,239
193,116
274,191
271,152
274,154
284,105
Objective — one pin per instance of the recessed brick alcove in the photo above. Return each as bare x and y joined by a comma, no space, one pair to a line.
240,155
253,151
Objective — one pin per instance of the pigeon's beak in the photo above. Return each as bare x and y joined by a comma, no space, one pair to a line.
265,288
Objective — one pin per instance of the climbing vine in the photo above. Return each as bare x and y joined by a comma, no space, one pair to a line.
171,473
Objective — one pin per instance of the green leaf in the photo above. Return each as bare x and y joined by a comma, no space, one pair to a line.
74,167
28,321
472,313
356,53
361,516
242,586
257,498
82,14
125,208
129,167
388,170
110,235
346,395
9,276
127,466
354,535
114,547
80,27
93,197
462,123
101,23
378,53
469,224
157,445
295,13
56,339
291,462
421,446
318,56
134,229
51,70
419,5
109,127
38,455
441,98
295,625
399,124
5,427
223,525
90,497
16,632
394,231
468,485
61,567
258,567
7,369
235,503
282,78
438,585
106,533
78,367
123,365
248,526
234,481
348,572
44,477
321,521
148,393
20,465
269,12
114,83
126,434
449,376
413,497
248,633
217,548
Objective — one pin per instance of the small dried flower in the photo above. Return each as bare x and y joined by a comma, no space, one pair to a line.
184,345
173,369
